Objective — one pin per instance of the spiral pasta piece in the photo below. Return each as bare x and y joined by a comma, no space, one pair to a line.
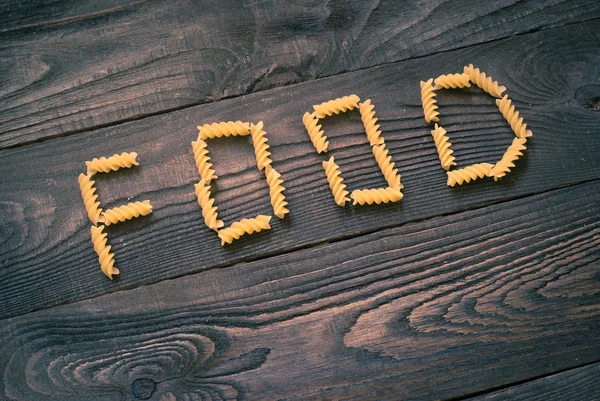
337,106
113,163
334,177
105,257
367,114
259,139
469,173
278,201
378,195
442,143
127,212
486,83
429,101
200,149
384,160
218,130
244,226
316,134
209,210
512,154
90,198
516,123
452,81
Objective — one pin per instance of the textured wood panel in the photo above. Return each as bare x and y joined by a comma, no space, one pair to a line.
436,309
72,65
45,252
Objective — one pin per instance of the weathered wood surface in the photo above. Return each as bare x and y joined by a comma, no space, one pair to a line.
46,257
574,384
73,65
440,308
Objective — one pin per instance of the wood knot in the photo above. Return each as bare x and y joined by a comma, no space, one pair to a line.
143,388
589,97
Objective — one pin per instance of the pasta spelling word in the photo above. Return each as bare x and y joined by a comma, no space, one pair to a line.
311,120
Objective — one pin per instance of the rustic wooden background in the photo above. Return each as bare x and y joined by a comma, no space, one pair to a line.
488,291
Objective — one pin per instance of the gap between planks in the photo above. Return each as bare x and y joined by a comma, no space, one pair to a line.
475,396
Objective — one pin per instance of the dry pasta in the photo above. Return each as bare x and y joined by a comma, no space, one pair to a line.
90,198
384,160
486,83
113,163
443,144
512,154
218,130
259,139
469,173
367,114
452,81
200,149
334,177
276,192
127,212
378,195
244,226
316,134
209,210
516,123
339,105
429,101
105,257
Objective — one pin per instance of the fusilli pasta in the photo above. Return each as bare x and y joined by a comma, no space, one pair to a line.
516,123
338,189
218,130
127,212
367,114
512,154
209,211
90,198
259,139
316,134
113,163
486,83
200,149
378,195
384,160
339,105
429,101
443,144
452,81
105,257
469,173
278,201
244,226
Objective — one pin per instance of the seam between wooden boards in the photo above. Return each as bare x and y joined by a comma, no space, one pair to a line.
314,245
492,390
251,91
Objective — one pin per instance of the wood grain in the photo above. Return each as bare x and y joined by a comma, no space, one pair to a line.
436,309
74,65
46,257
574,384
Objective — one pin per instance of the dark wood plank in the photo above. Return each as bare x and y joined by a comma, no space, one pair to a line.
73,65
46,254
436,309
574,384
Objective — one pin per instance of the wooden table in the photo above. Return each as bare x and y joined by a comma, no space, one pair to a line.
487,290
